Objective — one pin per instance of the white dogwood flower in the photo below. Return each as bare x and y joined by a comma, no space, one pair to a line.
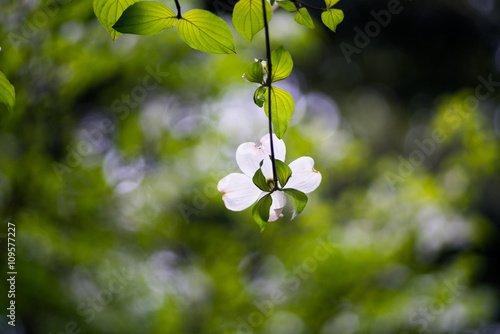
238,190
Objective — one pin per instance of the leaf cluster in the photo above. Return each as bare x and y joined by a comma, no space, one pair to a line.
281,102
200,29
331,17
261,210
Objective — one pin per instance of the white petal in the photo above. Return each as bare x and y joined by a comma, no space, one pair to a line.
238,191
279,202
304,177
275,214
279,147
248,157
267,169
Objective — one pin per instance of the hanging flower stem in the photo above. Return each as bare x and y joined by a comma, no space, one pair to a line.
178,6
268,84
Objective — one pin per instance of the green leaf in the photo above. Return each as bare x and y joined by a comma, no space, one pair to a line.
254,73
146,18
206,32
332,18
282,64
303,17
284,172
248,18
260,211
7,92
299,201
259,97
282,109
109,11
331,3
260,180
287,5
